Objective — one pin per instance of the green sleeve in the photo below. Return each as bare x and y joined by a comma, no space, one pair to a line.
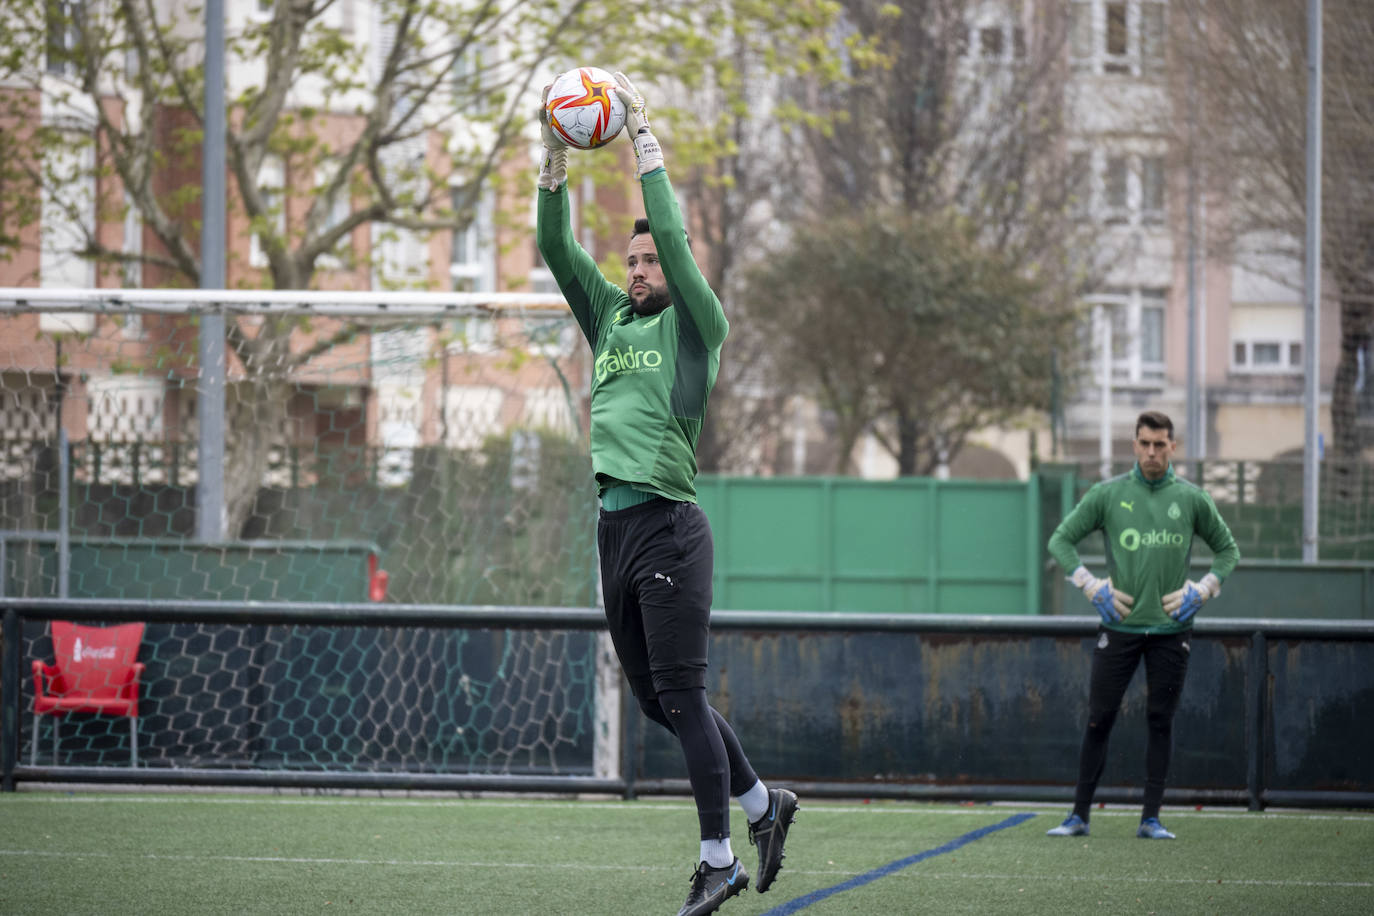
1085,518
590,295
1217,534
686,285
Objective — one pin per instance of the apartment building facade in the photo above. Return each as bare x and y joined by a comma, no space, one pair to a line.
1168,290
127,377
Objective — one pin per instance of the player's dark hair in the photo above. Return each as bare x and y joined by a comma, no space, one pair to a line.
1154,419
642,228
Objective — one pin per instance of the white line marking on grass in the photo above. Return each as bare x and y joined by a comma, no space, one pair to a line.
1141,879
817,872
308,860
814,806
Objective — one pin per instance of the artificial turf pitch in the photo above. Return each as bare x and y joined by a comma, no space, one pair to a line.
110,853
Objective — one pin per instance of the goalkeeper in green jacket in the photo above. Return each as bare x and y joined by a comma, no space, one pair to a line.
1148,519
656,352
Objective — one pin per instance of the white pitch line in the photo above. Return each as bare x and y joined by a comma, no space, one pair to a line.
812,807
307,860
1142,879
915,874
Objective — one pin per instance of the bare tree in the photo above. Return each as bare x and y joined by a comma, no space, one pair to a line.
952,118
724,129
1242,66
905,316
403,135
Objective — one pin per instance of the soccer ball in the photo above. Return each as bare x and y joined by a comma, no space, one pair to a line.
584,109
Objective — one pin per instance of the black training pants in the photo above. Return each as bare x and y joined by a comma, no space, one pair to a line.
657,560
1114,662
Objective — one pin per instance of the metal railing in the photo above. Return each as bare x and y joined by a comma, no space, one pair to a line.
1259,640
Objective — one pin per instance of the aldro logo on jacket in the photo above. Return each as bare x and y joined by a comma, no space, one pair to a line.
626,360
1133,540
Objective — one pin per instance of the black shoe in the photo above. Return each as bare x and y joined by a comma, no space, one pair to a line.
769,832
713,886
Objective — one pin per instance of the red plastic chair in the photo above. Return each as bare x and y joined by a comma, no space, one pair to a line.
95,671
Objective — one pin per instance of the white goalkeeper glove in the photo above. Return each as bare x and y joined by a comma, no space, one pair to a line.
648,155
1112,603
553,164
1186,602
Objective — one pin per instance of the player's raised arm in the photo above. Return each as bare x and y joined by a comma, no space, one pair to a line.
700,303
588,292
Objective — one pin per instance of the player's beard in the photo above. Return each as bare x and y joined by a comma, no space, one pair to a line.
656,301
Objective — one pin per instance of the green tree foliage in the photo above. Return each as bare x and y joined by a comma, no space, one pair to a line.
904,322
942,145
403,134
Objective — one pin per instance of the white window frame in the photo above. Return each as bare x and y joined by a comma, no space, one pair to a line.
1153,213
1290,356
1132,207
1089,25
273,169
467,67
472,259
69,10
993,19
1125,308
339,210
67,219
472,334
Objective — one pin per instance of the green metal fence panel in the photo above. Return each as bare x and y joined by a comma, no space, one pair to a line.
171,569
1266,589
912,545
1286,589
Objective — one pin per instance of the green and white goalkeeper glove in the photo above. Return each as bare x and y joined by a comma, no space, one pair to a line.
648,155
1112,603
1188,600
553,164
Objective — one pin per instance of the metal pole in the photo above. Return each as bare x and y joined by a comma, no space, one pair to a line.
64,511
1194,422
1255,714
10,636
1104,324
210,513
1313,285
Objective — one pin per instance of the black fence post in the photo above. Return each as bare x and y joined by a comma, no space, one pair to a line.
1256,713
9,699
630,739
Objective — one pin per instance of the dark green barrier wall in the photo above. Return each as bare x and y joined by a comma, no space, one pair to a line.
913,545
978,709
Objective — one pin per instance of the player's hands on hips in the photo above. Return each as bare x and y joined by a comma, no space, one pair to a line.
1186,602
1112,603
648,155
553,164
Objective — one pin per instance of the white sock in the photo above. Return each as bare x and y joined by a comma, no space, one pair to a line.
716,853
755,801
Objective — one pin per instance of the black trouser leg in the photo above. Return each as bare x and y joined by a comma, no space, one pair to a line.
704,751
656,568
742,775
1166,667
1114,661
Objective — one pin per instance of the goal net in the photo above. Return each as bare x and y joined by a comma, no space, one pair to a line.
402,447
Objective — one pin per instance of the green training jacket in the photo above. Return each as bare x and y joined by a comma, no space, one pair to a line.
651,375
1148,528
